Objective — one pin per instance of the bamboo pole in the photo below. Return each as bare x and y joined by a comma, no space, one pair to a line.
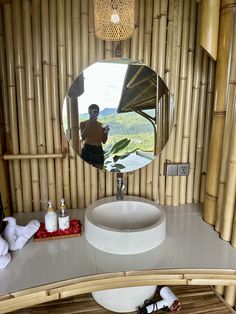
154,63
91,34
201,130
155,34
76,30
210,26
233,237
160,67
170,81
188,99
148,31
47,98
39,102
194,111
141,30
55,100
21,103
230,294
137,182
230,188
207,126
84,63
216,139
30,101
181,98
69,76
63,88
5,130
134,38
12,104
92,59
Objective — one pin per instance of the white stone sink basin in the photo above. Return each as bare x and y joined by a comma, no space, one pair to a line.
129,226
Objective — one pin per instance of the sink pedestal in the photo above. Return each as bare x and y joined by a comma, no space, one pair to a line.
123,300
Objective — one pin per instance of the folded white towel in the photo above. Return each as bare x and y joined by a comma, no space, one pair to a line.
3,247
5,260
17,236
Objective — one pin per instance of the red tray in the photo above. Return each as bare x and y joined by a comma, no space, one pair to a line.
74,231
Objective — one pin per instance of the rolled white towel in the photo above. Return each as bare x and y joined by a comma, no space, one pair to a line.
5,260
17,236
4,247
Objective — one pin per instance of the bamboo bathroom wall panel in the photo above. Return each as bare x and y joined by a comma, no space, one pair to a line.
63,44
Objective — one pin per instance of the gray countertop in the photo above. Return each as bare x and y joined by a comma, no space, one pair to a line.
190,243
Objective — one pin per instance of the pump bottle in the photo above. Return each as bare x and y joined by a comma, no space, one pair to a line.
50,218
63,218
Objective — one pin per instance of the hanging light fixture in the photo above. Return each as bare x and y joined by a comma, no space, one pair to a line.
114,19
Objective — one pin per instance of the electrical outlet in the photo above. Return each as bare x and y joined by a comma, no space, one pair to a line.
176,169
183,169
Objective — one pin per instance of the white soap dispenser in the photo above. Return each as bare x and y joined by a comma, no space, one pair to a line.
50,218
63,218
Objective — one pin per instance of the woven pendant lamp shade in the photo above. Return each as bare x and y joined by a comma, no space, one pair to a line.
114,19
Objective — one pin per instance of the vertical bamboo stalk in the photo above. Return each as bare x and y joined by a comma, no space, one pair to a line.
109,176
47,97
216,139
125,48
62,88
4,186
141,30
162,38
92,39
69,75
134,38
137,182
155,33
39,102
154,63
233,237
76,30
181,98
194,112
92,59
130,183
148,31
226,140
188,99
201,130
230,294
30,101
54,99
21,103
6,122
84,63
230,188
15,174
207,126
210,26
170,81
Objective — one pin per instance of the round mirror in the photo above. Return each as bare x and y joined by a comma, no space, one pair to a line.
118,115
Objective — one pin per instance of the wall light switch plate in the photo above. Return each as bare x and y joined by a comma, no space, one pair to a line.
176,169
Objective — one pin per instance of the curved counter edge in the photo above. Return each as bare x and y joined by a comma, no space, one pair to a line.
67,288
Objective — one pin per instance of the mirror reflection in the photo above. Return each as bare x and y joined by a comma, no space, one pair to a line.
118,115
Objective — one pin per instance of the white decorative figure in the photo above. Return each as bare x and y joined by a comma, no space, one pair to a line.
17,236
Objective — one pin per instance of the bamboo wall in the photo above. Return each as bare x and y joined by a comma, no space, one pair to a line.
45,44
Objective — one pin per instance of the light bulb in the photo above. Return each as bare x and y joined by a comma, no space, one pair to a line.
115,17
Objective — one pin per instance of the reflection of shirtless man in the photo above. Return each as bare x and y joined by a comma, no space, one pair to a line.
93,134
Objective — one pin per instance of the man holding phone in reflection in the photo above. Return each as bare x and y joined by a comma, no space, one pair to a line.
93,134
